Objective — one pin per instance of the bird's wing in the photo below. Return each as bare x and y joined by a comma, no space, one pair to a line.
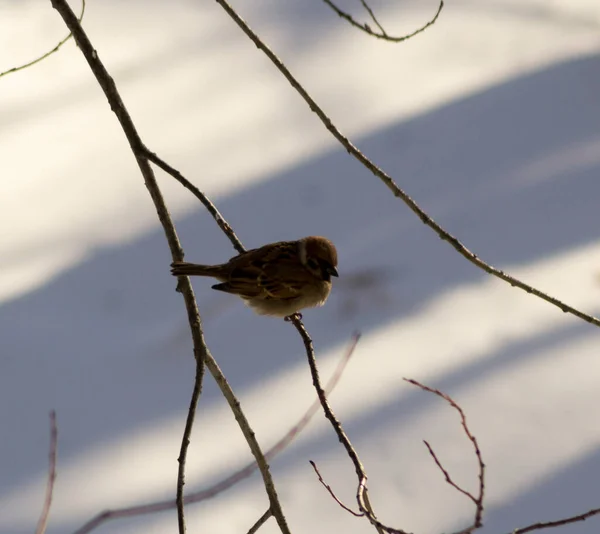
271,272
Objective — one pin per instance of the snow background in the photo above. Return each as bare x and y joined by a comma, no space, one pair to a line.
489,120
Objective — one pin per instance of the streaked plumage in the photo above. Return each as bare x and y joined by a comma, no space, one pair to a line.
278,279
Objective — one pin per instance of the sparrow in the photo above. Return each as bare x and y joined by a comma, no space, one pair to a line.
277,279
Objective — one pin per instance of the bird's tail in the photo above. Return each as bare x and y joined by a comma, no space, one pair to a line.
182,268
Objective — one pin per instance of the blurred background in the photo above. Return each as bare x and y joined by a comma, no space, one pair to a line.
489,120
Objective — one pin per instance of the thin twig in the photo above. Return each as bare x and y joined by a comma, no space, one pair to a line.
447,475
383,35
201,352
335,498
225,484
261,521
558,523
374,18
43,521
361,474
44,56
477,501
389,182
185,443
211,208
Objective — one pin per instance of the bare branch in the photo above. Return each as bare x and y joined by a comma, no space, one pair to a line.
245,472
263,466
261,521
383,35
43,521
389,182
374,18
44,56
212,209
185,443
201,352
558,523
477,501
361,492
328,488
447,475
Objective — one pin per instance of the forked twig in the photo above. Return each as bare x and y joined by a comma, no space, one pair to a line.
477,501
361,491
383,35
374,18
43,521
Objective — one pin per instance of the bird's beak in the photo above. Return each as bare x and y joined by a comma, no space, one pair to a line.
332,270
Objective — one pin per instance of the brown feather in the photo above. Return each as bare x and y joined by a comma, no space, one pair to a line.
276,279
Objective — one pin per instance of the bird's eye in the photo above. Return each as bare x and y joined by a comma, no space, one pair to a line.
312,263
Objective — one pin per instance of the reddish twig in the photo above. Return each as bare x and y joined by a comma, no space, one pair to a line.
478,501
383,35
328,488
447,475
43,521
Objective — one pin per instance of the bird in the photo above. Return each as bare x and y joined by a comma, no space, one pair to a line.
278,279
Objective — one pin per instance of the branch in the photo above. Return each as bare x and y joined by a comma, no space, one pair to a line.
261,521
212,209
201,352
389,182
263,466
447,475
361,492
558,523
374,18
245,472
477,501
185,443
383,35
43,521
44,56
328,488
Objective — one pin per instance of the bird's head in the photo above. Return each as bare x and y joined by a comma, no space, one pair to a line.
319,256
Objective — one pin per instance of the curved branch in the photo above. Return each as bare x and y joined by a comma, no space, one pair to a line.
44,56
383,35
391,185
